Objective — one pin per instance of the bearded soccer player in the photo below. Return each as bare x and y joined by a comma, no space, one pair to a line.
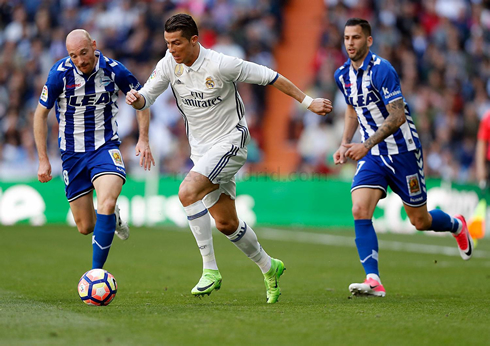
390,153
84,87
204,85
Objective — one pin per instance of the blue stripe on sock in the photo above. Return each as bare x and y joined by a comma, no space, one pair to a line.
198,215
241,233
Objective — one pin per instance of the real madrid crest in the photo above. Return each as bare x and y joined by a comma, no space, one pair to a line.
210,83
179,70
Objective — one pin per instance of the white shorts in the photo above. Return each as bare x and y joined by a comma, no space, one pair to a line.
220,164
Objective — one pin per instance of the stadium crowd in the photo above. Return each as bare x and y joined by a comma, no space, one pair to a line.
32,38
440,49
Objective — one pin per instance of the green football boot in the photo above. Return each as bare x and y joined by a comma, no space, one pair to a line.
271,279
210,281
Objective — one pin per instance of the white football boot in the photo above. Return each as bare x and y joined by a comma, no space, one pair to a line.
122,228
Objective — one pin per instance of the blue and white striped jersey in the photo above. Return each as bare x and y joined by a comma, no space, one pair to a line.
86,106
369,90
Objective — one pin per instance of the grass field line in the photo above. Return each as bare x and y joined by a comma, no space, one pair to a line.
347,241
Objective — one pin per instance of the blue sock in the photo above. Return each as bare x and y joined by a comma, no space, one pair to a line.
442,222
105,226
367,245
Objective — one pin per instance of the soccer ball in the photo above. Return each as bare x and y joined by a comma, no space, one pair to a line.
97,287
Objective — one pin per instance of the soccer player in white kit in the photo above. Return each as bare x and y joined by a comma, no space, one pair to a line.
204,85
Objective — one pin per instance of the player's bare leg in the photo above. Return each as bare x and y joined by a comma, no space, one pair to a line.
83,212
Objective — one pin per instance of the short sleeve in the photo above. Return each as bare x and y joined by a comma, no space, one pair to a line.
156,84
237,70
125,79
340,84
386,81
52,89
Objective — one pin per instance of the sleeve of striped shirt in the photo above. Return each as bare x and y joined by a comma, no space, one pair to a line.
156,84
386,81
125,79
237,70
53,88
340,84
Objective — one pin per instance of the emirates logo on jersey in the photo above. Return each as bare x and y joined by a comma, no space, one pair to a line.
210,83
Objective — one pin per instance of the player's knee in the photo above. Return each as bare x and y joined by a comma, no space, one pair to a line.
227,226
359,212
106,206
420,223
85,228
187,195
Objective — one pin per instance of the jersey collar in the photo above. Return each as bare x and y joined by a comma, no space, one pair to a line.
100,63
200,59
365,63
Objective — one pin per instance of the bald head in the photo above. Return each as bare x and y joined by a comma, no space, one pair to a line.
78,35
81,49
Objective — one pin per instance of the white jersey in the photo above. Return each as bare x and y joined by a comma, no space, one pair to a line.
207,94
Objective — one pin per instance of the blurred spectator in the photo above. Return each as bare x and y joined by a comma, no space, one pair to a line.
440,48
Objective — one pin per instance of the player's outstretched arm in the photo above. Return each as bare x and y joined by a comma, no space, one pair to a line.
135,99
319,106
143,145
40,125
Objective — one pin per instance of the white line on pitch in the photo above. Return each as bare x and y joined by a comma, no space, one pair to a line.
337,240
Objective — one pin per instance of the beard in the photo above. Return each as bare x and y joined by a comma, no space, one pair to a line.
359,54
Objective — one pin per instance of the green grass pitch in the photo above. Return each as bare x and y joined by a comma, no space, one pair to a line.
432,298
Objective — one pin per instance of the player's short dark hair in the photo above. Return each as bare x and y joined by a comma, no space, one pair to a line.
364,24
182,22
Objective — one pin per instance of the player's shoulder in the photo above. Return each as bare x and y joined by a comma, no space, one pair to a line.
380,64
61,66
341,70
111,64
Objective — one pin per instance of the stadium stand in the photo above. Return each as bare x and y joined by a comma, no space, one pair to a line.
440,48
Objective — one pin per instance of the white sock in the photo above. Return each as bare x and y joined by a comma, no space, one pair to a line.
245,239
460,226
374,277
200,224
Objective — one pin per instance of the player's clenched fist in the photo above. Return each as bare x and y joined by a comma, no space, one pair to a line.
134,98
44,172
321,106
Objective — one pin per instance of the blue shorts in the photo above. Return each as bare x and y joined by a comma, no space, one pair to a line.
403,173
81,169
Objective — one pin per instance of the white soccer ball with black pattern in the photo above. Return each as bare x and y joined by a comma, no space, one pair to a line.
97,287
